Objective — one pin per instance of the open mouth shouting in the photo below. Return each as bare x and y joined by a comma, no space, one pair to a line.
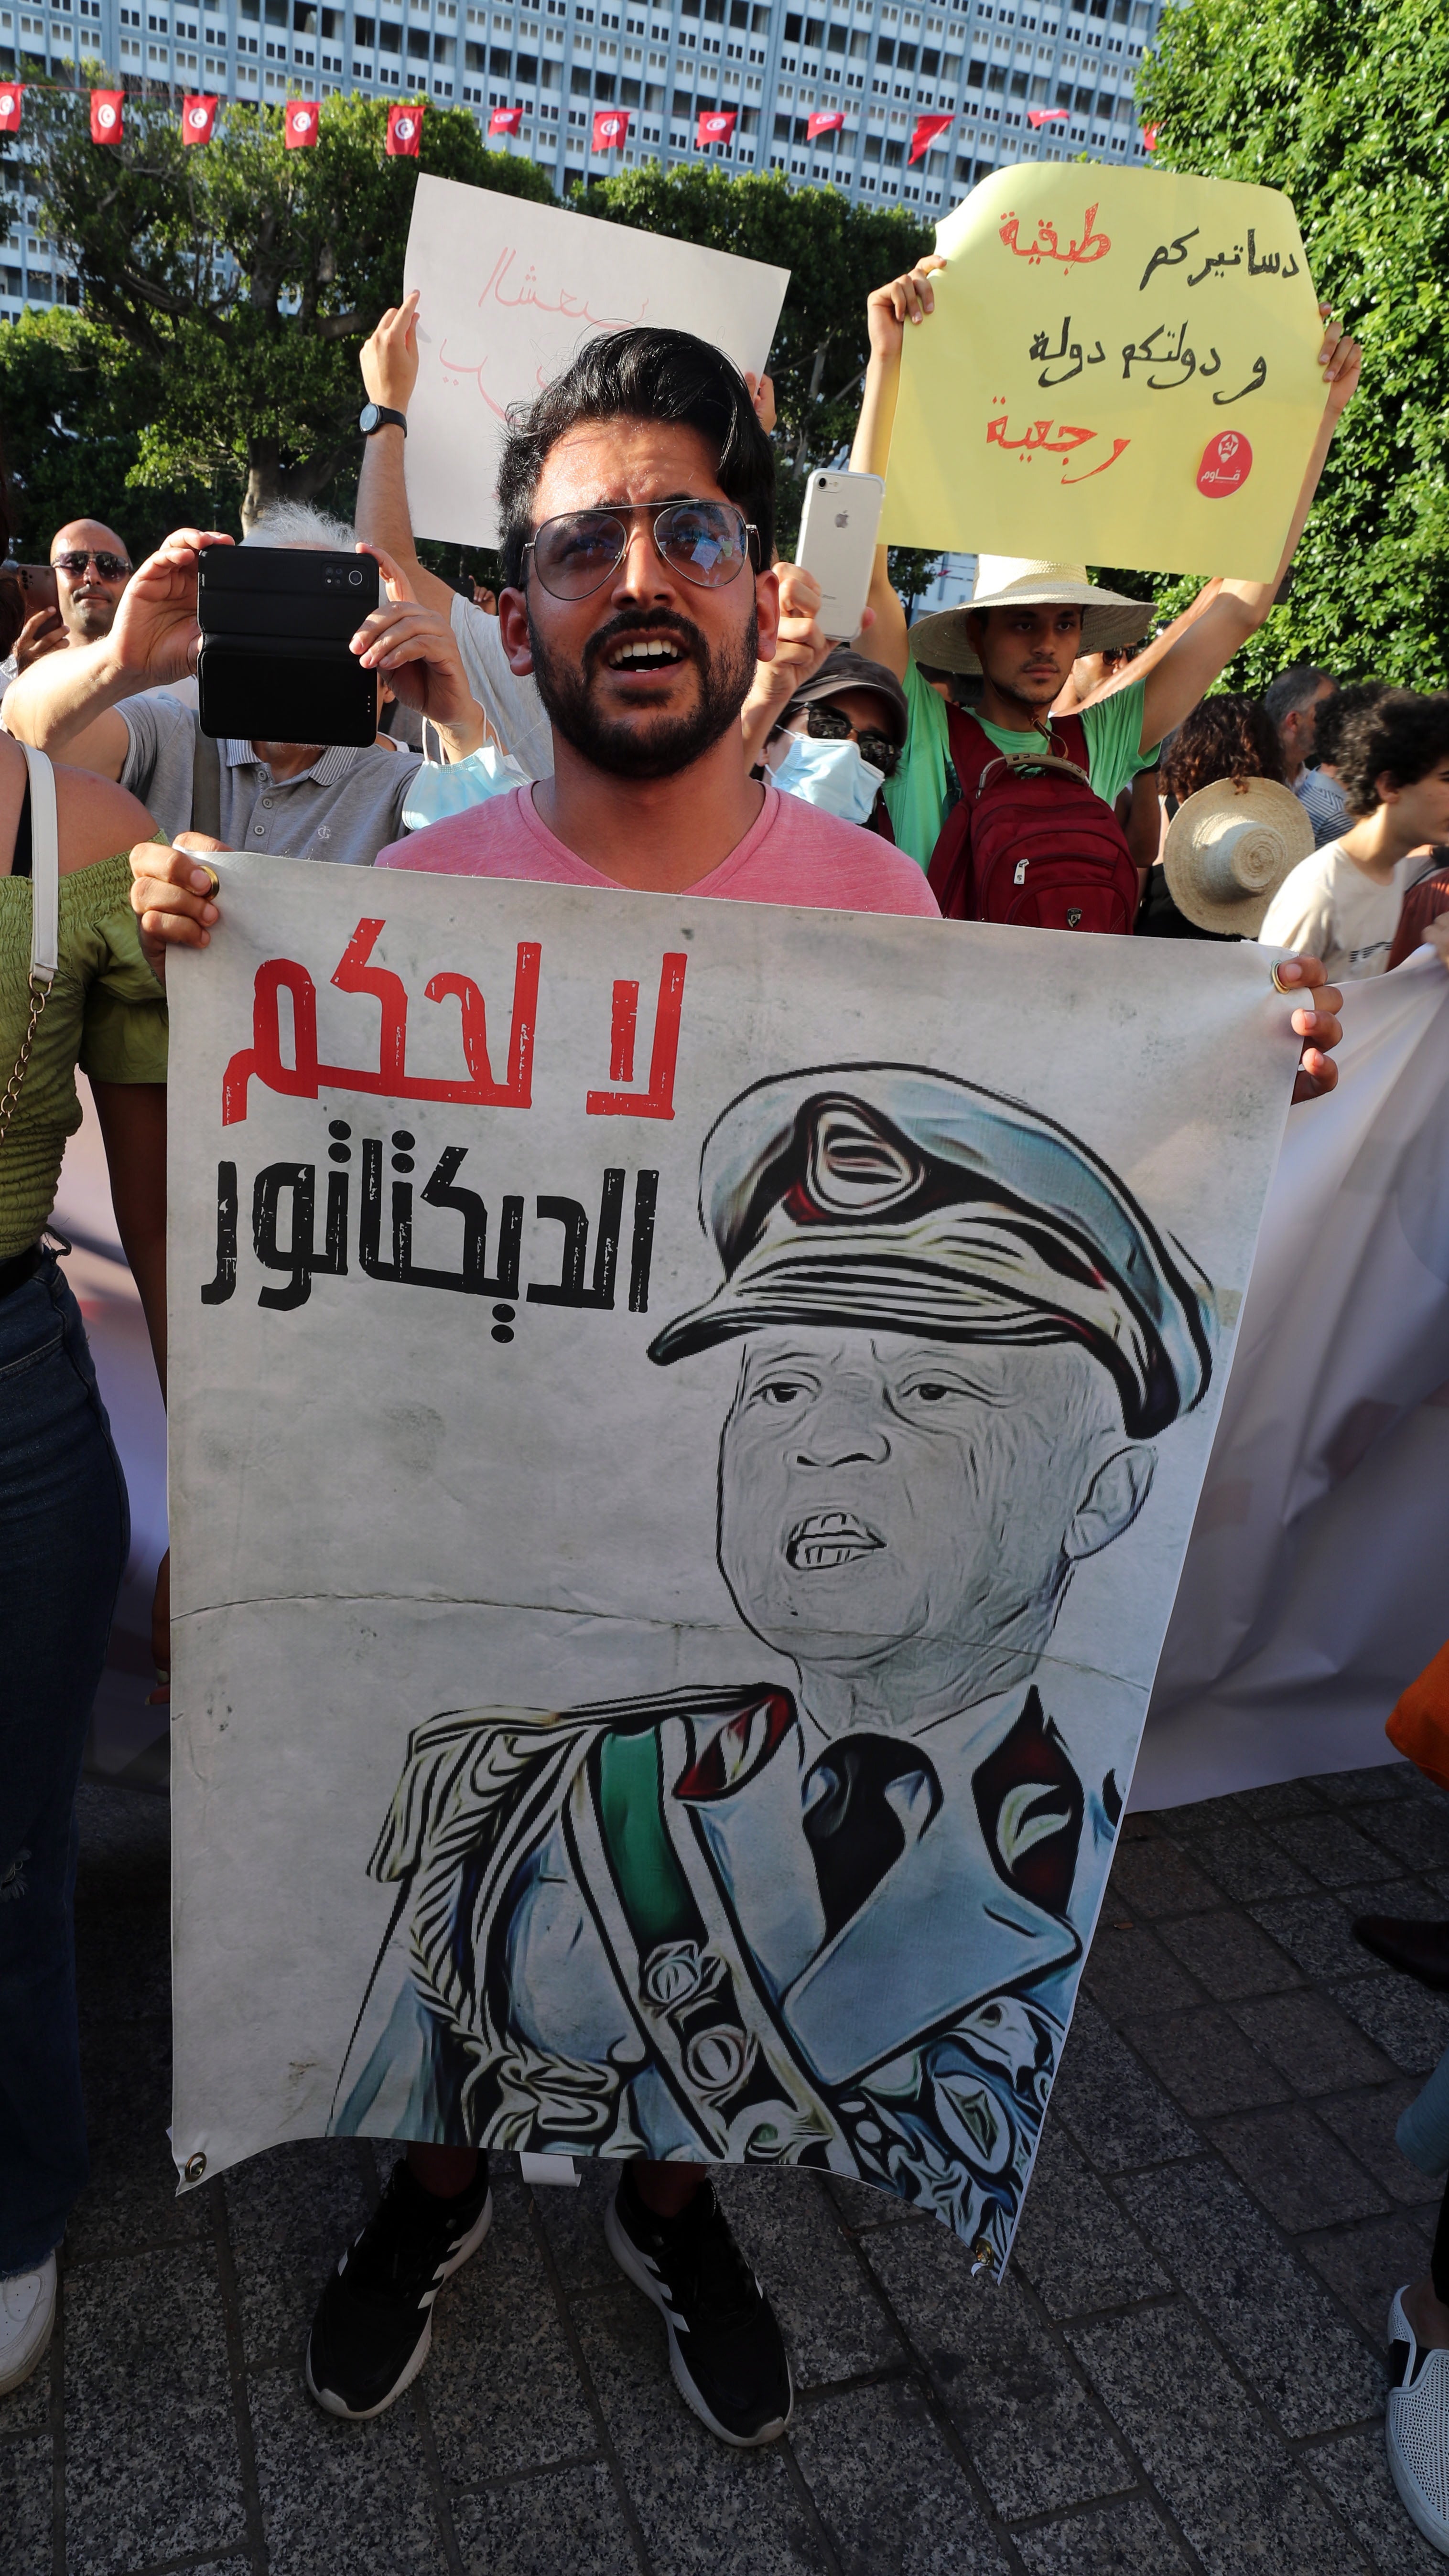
643,652
826,1539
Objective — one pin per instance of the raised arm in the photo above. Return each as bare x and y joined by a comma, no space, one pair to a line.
63,703
906,299
1207,645
390,372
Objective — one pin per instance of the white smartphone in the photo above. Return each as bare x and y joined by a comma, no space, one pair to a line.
837,544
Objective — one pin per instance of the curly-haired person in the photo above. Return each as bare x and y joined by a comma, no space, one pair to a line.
1343,903
1229,737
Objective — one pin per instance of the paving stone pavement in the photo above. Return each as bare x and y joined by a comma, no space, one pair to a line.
1182,2370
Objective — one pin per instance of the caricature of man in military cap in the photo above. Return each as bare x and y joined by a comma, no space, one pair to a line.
839,1926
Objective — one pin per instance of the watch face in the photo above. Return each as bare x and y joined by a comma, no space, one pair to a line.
369,418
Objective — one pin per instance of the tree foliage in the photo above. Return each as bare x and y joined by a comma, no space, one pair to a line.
1347,110
835,252
239,277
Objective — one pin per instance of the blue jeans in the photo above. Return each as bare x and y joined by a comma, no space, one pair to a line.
64,1536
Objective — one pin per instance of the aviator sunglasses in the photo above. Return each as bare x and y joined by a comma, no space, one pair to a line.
110,567
705,542
828,724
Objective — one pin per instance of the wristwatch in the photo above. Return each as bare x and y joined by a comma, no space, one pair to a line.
377,416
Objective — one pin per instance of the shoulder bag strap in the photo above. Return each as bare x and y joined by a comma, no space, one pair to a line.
44,917
205,785
44,867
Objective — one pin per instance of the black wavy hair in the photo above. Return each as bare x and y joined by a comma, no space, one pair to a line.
640,374
1334,714
1402,733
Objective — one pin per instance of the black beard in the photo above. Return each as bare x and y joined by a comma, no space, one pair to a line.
675,742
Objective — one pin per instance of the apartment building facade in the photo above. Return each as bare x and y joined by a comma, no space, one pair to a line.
879,63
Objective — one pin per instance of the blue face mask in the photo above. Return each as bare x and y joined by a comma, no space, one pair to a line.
831,775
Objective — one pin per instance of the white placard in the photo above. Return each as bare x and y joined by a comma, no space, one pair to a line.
509,291
685,1422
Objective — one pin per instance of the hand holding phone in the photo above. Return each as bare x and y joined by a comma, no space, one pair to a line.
838,531
275,663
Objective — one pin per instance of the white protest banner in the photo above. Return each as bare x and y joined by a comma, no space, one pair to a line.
509,292
685,1421
1314,1588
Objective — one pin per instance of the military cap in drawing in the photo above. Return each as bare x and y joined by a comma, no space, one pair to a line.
897,1200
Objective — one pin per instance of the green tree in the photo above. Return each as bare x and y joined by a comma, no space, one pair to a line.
240,277
1347,110
835,252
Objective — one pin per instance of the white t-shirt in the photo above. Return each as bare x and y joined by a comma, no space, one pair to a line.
513,706
1326,907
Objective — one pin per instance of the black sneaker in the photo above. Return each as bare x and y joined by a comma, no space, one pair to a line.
374,2322
725,2349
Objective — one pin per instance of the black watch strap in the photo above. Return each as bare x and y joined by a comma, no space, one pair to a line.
377,416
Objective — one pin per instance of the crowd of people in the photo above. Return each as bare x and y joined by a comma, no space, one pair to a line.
649,703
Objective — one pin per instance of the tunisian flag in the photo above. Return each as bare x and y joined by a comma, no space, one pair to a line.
826,122
505,120
611,124
198,119
716,124
300,129
404,127
10,98
926,131
1047,115
106,115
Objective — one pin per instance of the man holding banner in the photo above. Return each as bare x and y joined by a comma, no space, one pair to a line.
637,502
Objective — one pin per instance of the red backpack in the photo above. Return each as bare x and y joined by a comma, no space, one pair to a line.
1031,841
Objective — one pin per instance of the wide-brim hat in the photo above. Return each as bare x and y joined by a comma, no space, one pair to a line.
1228,850
844,670
1016,581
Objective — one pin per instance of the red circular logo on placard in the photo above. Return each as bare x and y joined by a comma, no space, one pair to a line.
1226,464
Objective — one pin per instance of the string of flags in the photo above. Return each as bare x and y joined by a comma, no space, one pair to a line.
301,125
716,125
405,122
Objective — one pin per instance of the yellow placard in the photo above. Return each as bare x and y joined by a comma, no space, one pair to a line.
1121,368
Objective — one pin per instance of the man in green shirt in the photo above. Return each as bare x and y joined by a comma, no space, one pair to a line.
1028,621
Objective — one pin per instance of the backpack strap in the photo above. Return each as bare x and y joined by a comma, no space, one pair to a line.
205,785
973,750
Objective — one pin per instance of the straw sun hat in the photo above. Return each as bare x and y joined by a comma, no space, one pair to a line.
1228,850
1016,581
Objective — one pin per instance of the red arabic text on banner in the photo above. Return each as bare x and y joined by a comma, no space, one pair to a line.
198,119
716,124
611,124
1149,138
405,127
10,98
505,120
926,130
301,125
827,121
106,115
1047,115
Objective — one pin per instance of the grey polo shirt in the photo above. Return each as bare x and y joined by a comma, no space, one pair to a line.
345,808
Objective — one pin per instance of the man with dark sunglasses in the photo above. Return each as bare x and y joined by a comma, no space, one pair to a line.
92,568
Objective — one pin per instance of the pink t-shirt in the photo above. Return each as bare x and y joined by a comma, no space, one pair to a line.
793,854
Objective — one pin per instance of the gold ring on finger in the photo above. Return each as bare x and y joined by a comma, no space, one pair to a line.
1278,984
216,884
